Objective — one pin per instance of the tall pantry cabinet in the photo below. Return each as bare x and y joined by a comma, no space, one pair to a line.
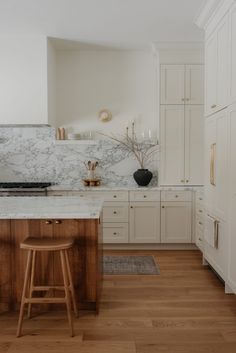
181,124
220,145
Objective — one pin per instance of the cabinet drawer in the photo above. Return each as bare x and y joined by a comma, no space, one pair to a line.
106,195
176,196
200,222
115,212
115,233
145,195
199,210
200,197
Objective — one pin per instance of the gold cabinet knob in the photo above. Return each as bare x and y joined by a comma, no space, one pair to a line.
114,212
114,196
163,206
48,222
187,181
145,196
176,196
131,206
114,233
57,221
213,106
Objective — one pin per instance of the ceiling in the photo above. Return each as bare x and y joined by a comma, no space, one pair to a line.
119,23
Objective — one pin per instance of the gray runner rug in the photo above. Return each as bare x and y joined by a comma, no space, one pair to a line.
129,265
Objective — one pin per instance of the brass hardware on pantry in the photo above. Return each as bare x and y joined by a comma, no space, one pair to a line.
163,206
114,196
57,221
176,196
131,206
187,181
145,196
114,233
213,106
212,164
216,233
114,212
48,222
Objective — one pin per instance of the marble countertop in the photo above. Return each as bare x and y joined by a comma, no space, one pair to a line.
44,207
80,187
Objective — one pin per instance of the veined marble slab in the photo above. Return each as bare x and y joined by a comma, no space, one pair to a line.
44,207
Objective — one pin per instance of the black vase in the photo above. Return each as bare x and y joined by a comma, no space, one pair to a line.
142,177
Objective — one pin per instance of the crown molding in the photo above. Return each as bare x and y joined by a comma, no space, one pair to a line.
210,9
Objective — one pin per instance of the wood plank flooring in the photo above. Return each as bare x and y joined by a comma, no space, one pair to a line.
183,310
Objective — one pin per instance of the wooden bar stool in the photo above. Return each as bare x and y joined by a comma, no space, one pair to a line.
47,244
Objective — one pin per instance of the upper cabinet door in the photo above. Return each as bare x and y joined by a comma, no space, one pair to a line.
232,75
172,145
217,68
222,63
194,84
172,84
210,75
194,144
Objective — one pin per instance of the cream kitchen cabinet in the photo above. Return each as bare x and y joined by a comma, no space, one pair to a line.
199,219
176,219
232,198
182,84
182,144
216,165
217,68
144,217
232,54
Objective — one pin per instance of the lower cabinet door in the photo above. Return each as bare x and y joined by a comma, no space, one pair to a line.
145,222
115,233
176,222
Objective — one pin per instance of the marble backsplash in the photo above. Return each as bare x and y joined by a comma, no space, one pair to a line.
31,154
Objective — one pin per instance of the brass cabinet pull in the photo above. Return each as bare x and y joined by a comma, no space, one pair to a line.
200,198
200,223
57,221
145,196
200,211
212,164
131,206
48,222
163,206
213,106
176,196
216,233
114,196
114,212
187,181
114,233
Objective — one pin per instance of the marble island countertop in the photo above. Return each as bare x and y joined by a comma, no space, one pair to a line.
44,207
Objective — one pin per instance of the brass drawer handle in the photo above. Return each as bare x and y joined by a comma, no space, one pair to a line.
131,206
57,221
163,206
114,196
114,212
48,222
145,196
114,233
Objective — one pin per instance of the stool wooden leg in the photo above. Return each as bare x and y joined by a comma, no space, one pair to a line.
67,291
31,282
26,281
71,285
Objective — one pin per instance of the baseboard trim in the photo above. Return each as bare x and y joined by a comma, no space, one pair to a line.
150,247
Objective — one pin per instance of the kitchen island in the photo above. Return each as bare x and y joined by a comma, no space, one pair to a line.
76,217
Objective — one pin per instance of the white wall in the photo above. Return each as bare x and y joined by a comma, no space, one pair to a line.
51,83
23,80
124,82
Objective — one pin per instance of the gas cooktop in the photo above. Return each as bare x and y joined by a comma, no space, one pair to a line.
15,185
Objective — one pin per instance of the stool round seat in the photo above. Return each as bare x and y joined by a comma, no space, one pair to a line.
46,244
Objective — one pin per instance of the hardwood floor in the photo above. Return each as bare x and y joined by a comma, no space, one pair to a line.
182,310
